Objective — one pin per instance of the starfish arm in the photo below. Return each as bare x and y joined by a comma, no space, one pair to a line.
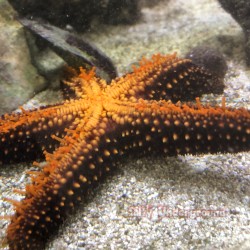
163,127
166,77
78,164
198,130
91,151
25,135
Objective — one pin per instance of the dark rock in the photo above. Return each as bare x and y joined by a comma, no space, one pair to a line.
73,49
79,13
213,60
240,11
209,58
126,11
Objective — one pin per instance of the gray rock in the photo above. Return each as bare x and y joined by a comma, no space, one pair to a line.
19,80
240,11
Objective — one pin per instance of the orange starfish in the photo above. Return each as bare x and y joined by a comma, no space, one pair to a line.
99,123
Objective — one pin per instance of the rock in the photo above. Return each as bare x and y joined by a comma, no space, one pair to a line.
209,58
79,14
73,49
19,80
240,11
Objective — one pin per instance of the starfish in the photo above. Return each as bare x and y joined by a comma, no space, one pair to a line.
98,124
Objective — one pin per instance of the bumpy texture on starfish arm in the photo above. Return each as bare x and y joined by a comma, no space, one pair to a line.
101,125
166,77
24,136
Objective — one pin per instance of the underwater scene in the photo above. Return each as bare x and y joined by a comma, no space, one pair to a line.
124,124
